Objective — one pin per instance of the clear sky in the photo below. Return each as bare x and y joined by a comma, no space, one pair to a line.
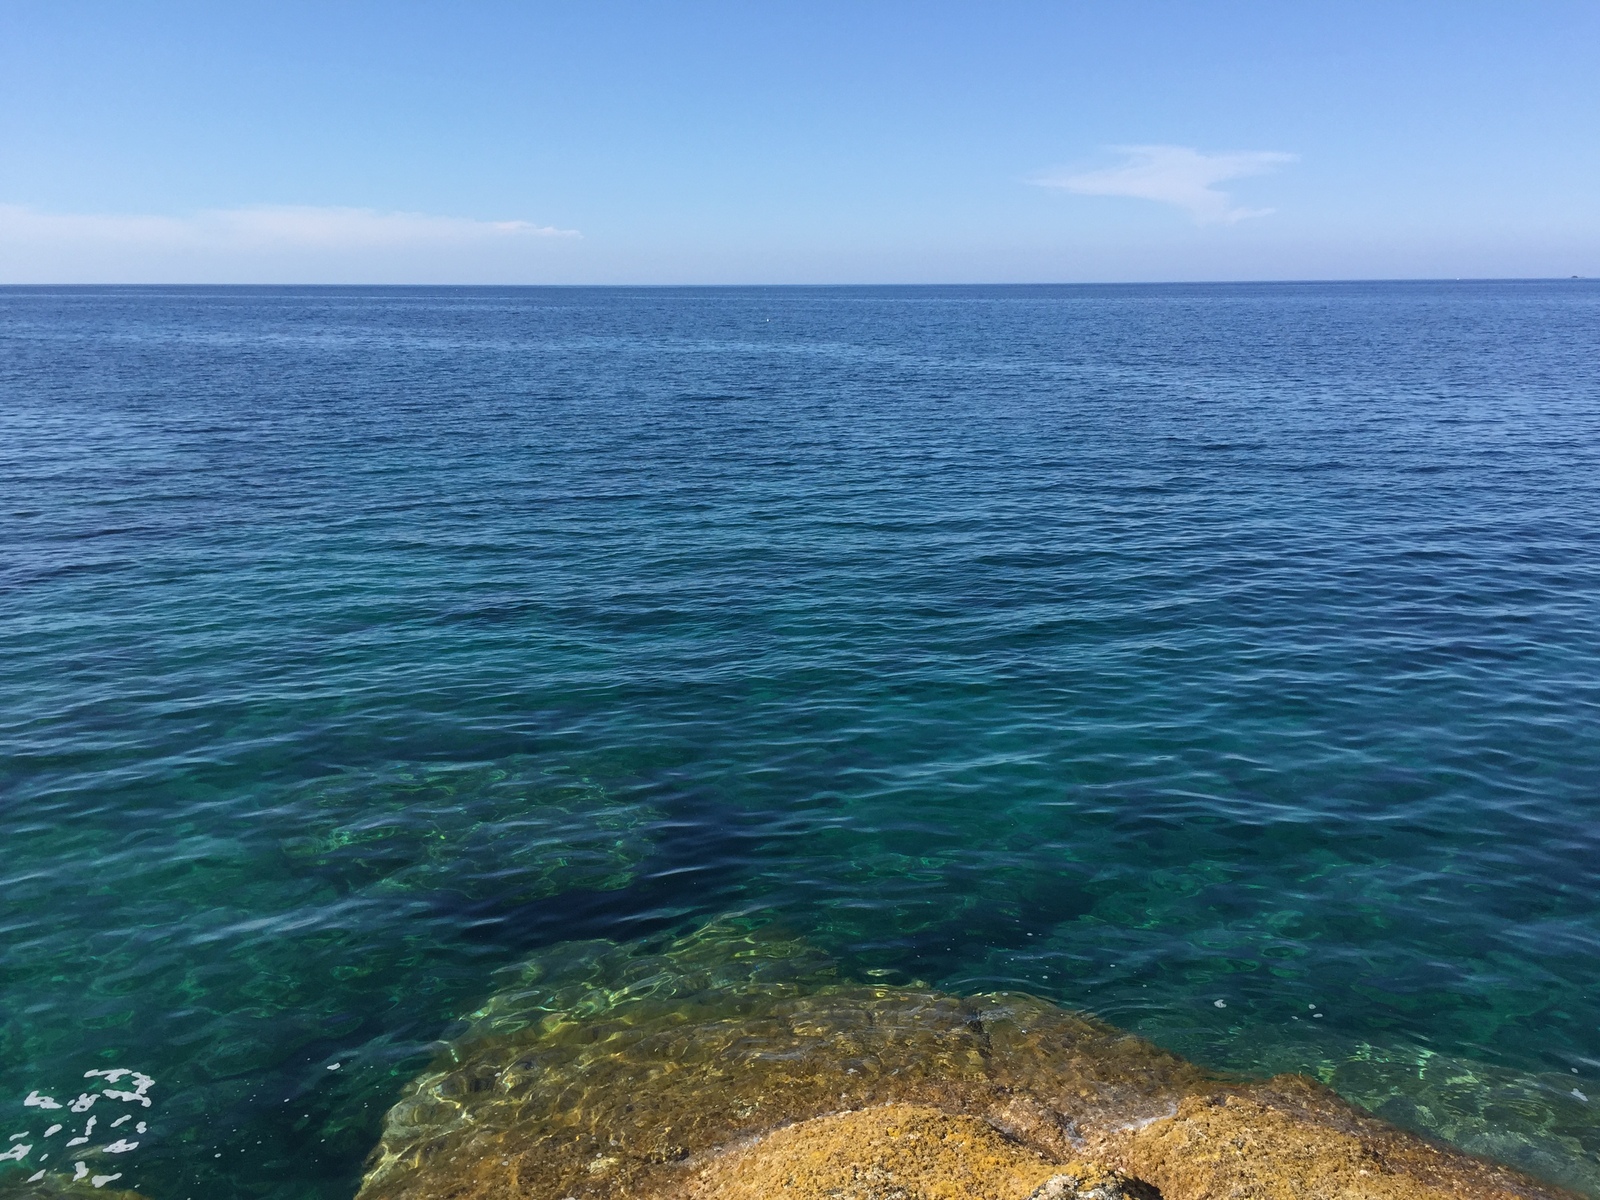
771,142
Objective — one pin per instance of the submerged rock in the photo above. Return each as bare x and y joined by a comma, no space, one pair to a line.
58,1187
505,833
736,1064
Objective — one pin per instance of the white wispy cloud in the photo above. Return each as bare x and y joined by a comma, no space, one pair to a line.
1179,175
265,228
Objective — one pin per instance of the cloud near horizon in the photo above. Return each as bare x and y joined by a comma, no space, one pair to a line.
265,228
1177,175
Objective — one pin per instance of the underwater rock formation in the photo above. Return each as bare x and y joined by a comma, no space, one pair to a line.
507,833
734,1056
54,1187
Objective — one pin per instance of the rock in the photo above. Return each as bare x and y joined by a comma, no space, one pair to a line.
733,1064
1095,1184
56,1186
1290,1138
892,1152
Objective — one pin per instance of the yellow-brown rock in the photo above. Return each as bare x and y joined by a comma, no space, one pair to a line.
899,1151
733,1064
1291,1138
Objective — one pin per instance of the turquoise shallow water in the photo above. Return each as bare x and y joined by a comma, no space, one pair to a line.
1224,660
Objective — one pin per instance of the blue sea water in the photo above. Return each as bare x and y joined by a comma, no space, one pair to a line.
1224,660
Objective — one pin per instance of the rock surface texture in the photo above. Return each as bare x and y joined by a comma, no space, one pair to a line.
734,1065
896,1150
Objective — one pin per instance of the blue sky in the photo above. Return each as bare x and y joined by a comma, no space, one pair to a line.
818,142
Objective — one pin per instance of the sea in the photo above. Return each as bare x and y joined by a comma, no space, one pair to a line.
1223,660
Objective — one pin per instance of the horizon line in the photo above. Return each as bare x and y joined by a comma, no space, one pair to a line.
946,284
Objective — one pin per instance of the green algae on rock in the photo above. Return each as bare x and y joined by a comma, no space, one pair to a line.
603,1071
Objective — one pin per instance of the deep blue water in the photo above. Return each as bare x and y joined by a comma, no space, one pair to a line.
1145,648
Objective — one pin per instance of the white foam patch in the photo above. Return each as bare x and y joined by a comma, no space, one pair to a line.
134,1091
